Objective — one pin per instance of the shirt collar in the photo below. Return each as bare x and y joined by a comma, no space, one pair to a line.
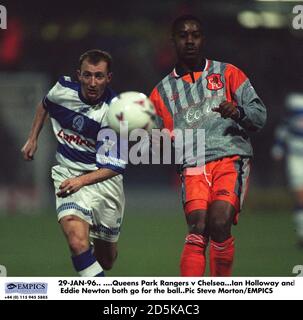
179,71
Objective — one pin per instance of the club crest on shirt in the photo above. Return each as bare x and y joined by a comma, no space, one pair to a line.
214,81
78,123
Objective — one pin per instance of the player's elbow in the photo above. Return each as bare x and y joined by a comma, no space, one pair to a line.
254,123
258,125
261,119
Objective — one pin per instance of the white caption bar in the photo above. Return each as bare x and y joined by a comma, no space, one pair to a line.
164,288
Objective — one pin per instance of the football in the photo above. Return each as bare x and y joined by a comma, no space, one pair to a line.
131,110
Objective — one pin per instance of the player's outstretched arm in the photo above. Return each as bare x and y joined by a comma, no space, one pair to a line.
73,185
30,146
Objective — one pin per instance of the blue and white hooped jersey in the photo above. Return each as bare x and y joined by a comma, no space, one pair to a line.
76,125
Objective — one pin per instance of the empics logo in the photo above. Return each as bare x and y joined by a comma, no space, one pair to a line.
3,17
297,21
26,288
11,286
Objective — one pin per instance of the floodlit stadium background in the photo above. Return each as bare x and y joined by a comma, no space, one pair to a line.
44,41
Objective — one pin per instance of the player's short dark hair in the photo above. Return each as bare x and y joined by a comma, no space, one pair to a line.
182,19
94,56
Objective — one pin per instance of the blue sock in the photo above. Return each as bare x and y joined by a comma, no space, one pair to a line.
87,265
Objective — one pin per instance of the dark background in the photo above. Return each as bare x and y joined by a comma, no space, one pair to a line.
49,37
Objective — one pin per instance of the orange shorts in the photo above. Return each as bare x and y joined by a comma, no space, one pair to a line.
224,179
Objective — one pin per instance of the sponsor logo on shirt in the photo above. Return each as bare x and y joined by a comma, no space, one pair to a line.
75,138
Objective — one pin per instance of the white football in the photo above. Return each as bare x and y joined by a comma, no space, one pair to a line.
132,109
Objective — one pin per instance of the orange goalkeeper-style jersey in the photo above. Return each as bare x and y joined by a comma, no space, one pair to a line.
186,102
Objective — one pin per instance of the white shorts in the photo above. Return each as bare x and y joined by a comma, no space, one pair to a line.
101,204
295,172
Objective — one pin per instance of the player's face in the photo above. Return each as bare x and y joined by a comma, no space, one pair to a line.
93,79
188,41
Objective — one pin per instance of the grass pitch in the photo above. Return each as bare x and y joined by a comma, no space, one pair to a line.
150,245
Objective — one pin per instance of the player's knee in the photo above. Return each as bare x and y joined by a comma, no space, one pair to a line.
77,244
219,228
198,228
196,221
220,221
219,225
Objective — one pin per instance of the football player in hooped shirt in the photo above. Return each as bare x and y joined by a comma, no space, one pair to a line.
88,182
218,97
